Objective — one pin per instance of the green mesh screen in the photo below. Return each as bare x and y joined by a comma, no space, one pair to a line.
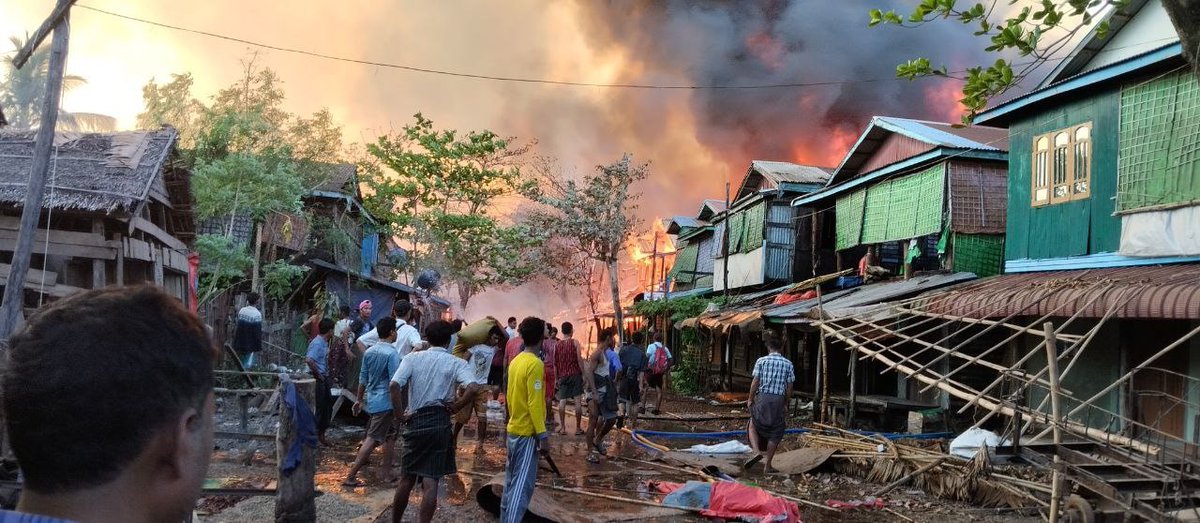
982,254
905,207
684,270
849,217
1159,160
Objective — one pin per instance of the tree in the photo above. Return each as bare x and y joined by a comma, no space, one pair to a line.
596,214
1037,33
22,91
249,157
440,190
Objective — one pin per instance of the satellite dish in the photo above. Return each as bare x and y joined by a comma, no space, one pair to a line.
429,279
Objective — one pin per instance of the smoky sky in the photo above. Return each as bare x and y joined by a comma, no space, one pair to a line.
771,42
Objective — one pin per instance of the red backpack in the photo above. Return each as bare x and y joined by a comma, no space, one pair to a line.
661,362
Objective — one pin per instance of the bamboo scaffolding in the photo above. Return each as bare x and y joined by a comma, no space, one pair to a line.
961,391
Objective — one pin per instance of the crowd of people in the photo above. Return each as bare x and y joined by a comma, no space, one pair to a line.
109,403
420,387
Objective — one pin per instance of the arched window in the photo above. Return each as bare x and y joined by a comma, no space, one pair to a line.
1062,164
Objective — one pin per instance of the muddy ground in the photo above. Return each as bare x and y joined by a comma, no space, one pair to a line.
625,473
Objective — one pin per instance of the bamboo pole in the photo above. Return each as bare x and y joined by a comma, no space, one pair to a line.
1124,378
990,404
982,321
1056,411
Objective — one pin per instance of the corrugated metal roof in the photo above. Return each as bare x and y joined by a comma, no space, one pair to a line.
677,223
938,134
881,293
784,172
1156,292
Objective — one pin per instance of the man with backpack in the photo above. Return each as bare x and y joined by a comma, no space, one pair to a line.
659,363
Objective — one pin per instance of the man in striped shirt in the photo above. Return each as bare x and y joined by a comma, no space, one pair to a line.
769,392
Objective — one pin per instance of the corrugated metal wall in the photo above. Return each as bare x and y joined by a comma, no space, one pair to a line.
1071,228
781,241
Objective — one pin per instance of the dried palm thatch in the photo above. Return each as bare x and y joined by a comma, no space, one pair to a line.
93,172
973,481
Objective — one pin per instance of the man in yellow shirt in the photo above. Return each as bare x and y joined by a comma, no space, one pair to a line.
526,421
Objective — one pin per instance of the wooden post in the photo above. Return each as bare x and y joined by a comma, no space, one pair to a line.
1056,413
295,498
852,410
120,268
904,260
99,278
14,291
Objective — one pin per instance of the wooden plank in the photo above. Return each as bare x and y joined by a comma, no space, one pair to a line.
62,249
158,269
89,239
137,249
99,277
157,232
33,275
51,289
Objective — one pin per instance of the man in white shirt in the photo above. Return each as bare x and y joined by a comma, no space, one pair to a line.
432,377
407,336
479,358
511,330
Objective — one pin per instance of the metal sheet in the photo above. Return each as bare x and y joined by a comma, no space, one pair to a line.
1162,292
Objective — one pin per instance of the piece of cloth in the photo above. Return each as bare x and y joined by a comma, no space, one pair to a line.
520,477
364,304
633,360
566,358
606,397
382,426
9,516
694,494
480,358
478,406
324,403
379,364
407,337
339,362
569,387
341,326
734,501
526,398
769,415
614,362
318,352
512,349
247,359
428,435
655,381
247,332
306,426
774,373
432,376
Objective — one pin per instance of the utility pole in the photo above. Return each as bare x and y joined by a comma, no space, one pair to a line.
725,248
14,290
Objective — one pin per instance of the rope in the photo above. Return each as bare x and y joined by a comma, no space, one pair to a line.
46,244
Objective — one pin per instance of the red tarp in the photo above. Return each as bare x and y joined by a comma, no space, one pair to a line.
732,500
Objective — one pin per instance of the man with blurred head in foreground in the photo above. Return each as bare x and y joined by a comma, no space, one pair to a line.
109,403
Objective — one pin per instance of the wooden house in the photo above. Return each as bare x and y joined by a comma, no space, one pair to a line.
755,236
911,184
117,210
1103,209
695,246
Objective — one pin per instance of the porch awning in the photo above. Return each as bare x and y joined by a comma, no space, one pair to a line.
1151,292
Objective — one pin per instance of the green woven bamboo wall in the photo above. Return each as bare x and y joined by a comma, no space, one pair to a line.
849,217
982,254
752,227
1159,162
905,207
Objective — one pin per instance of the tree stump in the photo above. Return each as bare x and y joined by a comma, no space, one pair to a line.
295,495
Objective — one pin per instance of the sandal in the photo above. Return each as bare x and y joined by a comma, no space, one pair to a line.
353,483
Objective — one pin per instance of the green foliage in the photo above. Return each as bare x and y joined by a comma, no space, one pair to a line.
172,103
687,373
1021,32
22,91
678,309
438,189
280,277
225,264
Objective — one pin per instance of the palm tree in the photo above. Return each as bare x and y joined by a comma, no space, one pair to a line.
22,90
